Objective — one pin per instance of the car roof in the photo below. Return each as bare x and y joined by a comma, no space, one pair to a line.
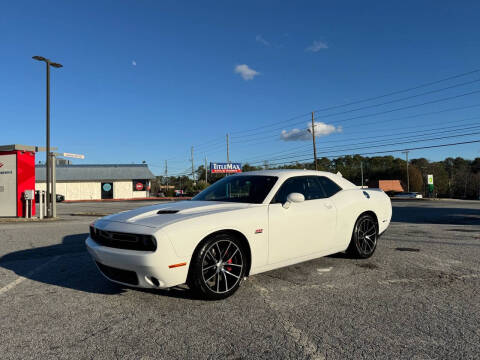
286,173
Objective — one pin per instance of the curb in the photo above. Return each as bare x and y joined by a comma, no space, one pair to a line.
89,214
131,199
25,220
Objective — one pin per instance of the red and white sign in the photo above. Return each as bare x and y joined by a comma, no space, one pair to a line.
139,186
225,168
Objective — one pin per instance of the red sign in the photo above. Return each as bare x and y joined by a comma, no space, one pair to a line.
139,186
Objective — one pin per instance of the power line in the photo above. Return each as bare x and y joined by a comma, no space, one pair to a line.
389,138
373,122
216,143
411,106
402,99
374,146
271,139
386,151
363,100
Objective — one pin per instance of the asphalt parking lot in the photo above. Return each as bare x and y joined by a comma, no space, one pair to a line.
417,297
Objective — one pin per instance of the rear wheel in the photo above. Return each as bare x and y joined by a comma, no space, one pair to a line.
218,267
364,237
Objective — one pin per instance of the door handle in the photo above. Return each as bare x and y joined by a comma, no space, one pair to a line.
328,206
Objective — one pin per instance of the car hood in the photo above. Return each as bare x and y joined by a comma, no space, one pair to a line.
163,214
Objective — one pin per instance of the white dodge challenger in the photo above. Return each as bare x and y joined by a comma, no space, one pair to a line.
242,225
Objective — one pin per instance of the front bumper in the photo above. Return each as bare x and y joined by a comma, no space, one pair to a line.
151,268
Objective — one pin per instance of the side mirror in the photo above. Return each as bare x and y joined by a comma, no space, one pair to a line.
293,198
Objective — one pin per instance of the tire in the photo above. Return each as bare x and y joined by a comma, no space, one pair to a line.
364,237
218,267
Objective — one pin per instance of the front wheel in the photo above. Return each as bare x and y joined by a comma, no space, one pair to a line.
218,267
364,237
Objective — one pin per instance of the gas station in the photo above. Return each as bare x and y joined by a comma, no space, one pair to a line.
17,180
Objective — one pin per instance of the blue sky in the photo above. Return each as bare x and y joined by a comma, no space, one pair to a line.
146,80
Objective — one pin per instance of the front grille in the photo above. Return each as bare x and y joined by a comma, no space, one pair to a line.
120,275
120,240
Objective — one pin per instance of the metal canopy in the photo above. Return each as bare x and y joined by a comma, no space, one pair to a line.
18,147
96,172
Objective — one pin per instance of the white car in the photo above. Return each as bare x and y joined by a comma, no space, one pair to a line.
242,225
408,195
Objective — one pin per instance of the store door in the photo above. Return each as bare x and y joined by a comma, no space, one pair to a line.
107,190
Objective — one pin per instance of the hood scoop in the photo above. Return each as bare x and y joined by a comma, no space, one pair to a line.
161,212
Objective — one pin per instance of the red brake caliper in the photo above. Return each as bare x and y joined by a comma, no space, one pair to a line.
229,268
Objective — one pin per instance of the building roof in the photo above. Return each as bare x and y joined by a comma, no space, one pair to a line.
97,172
390,185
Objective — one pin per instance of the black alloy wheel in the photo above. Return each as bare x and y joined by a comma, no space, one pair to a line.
218,267
364,237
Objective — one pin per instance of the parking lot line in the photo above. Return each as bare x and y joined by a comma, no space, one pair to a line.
14,283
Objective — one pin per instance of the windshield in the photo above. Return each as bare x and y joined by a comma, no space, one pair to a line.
239,188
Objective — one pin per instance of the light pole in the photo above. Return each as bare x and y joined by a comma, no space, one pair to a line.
406,160
48,166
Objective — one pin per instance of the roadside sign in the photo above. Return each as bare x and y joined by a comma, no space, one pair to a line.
430,183
69,155
225,168
139,186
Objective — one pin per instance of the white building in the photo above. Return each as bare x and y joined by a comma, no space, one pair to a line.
95,182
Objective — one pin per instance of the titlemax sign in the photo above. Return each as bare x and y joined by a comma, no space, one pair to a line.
225,168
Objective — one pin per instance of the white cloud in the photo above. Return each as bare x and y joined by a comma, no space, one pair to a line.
245,72
321,129
261,39
317,46
134,63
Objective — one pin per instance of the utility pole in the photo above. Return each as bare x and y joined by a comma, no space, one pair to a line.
193,174
228,151
314,144
166,176
408,178
206,171
361,169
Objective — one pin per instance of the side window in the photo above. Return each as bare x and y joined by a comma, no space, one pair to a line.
315,189
330,187
296,184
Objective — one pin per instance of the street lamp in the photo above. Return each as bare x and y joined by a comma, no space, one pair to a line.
48,162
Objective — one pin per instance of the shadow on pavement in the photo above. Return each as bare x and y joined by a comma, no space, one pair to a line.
436,215
69,265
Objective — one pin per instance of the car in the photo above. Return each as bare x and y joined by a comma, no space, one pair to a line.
59,197
242,225
408,195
